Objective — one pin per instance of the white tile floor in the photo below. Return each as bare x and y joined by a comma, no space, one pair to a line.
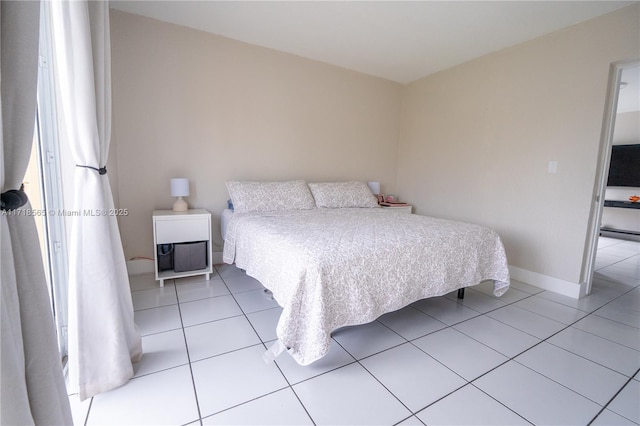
530,357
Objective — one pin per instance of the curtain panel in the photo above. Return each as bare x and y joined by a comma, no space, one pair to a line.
103,338
32,389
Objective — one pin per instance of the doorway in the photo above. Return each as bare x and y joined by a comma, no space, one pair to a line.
619,96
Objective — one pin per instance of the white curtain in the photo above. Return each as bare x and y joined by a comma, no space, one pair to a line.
103,338
32,389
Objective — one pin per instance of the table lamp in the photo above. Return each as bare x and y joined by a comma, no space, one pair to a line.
180,188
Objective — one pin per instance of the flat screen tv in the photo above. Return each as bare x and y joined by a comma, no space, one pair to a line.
624,169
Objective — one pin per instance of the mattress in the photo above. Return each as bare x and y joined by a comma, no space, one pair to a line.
330,268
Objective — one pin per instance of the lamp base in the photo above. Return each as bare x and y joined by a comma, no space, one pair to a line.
180,205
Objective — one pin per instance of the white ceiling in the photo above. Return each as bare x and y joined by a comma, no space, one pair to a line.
397,40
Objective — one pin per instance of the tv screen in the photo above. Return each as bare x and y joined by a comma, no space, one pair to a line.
624,169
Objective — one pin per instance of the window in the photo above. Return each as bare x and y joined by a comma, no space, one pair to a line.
45,186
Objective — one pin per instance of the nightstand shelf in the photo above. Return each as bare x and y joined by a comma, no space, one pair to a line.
169,275
192,226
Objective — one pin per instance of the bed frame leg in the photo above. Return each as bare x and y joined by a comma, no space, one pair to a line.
461,293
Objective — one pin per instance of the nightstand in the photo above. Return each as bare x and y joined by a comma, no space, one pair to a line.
189,229
399,209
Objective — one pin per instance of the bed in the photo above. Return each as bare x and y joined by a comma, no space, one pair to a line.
332,263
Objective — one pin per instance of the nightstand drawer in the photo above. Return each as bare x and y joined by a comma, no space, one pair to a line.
181,230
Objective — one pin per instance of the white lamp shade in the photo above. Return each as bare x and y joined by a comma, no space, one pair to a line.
179,187
374,187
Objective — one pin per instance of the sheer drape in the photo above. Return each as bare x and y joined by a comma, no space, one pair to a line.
103,338
32,388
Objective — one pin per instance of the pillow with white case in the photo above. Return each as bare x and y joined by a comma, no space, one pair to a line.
337,195
248,196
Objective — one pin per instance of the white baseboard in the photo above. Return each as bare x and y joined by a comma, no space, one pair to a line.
557,285
145,266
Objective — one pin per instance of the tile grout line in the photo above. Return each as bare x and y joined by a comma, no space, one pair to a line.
411,341
264,345
451,326
186,345
86,418
512,358
515,356
604,407
470,382
590,313
501,403
578,355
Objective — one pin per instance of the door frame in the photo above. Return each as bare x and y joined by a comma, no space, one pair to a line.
602,170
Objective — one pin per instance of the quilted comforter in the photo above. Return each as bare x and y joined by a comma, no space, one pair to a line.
330,268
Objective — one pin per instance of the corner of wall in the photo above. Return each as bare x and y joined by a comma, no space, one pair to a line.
556,285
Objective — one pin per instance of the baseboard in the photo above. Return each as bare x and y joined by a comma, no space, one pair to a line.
145,266
557,285
620,235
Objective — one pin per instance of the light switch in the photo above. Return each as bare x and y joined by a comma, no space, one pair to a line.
552,169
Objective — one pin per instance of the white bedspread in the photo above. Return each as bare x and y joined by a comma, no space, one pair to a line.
330,268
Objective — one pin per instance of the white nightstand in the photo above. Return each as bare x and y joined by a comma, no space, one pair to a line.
399,209
171,227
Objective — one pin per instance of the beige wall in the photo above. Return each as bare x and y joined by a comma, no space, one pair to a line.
470,143
187,103
476,141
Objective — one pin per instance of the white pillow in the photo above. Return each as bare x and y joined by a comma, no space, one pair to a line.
343,195
263,196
